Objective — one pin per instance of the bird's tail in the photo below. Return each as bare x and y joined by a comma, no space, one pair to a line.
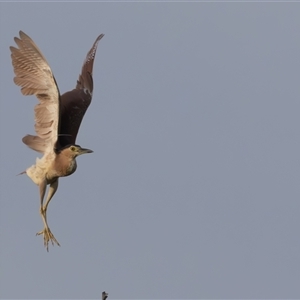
24,172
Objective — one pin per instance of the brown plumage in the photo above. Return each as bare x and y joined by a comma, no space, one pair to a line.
57,118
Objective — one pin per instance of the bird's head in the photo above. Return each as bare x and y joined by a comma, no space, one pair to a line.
74,151
104,295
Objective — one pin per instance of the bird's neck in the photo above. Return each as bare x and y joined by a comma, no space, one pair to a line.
71,168
65,165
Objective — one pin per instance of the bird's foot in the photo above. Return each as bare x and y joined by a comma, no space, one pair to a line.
48,236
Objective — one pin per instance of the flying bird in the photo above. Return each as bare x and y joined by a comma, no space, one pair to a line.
104,295
57,118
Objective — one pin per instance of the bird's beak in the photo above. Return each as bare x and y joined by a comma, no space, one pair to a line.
84,151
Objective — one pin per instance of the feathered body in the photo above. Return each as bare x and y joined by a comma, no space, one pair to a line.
50,167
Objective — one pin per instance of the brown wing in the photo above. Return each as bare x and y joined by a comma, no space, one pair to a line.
35,77
75,103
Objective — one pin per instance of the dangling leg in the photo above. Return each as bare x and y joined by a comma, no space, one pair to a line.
48,236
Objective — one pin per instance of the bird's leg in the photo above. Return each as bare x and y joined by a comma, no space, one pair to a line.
48,236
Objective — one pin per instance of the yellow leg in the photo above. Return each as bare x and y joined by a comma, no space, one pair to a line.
46,232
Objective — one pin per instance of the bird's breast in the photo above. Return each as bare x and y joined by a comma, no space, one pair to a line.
71,168
62,167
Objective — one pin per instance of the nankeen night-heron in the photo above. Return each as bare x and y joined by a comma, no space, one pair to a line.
57,118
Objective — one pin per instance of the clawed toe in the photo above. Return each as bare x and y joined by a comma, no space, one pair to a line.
48,236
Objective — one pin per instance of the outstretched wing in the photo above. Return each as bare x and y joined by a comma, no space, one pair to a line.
35,77
75,103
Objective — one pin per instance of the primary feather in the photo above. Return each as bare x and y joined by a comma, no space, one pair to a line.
35,77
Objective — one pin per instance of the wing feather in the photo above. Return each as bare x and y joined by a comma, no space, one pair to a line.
75,103
85,80
35,77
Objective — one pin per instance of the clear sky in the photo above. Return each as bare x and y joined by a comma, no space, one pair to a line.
193,189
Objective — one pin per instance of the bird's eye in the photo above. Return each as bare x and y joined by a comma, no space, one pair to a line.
73,148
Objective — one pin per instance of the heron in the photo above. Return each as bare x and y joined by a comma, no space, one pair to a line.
57,119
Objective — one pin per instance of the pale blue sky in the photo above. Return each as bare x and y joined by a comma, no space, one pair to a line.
193,189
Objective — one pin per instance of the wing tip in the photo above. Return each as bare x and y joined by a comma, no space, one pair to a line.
100,37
